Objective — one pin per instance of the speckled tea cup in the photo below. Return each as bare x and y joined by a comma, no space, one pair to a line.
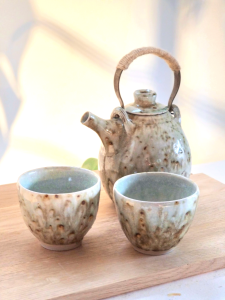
59,204
155,210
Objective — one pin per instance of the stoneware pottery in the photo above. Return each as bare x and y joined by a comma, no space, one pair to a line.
59,204
143,136
155,210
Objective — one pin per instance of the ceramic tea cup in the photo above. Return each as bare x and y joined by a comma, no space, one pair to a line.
59,204
155,209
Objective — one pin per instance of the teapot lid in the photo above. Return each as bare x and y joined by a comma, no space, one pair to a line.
144,104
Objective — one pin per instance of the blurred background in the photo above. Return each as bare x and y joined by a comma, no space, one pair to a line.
58,58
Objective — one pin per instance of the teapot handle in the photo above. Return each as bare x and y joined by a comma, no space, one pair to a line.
127,60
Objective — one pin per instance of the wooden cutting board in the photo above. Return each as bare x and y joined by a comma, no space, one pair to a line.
106,264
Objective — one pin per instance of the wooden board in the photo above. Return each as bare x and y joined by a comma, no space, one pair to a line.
106,264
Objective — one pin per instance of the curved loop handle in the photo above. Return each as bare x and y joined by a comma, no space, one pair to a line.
127,60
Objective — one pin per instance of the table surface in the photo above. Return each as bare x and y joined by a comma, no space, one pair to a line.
209,286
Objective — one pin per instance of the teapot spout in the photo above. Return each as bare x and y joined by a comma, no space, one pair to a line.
108,130
92,121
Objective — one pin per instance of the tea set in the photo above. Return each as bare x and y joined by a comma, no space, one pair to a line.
144,166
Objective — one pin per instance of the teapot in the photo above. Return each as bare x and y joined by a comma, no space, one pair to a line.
143,136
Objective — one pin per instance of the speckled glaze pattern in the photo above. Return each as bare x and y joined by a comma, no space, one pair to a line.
154,228
59,219
133,144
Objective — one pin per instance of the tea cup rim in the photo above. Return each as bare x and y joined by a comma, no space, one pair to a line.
169,202
55,167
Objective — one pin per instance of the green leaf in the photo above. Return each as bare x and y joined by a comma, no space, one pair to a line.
90,164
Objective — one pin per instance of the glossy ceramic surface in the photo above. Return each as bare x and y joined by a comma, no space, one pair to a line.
59,204
155,210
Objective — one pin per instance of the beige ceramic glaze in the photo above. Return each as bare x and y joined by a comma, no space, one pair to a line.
60,219
155,210
143,136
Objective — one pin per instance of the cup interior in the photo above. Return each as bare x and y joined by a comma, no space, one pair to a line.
155,187
58,180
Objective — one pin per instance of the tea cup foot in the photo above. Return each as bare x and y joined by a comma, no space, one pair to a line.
61,247
153,253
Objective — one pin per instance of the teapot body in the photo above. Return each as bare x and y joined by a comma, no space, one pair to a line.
143,136
156,144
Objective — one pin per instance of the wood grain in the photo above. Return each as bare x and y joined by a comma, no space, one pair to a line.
106,264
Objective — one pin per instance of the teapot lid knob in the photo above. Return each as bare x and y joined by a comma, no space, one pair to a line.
145,104
144,98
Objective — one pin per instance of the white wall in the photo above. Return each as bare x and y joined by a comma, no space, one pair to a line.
58,57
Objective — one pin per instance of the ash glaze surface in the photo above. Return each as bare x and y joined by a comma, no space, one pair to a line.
59,220
160,212
134,144
143,136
